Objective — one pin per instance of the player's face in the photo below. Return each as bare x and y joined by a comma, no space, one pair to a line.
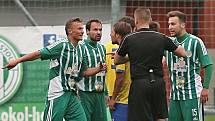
95,32
113,37
77,31
175,26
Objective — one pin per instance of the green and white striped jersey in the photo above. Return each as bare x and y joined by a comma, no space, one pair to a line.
185,72
64,59
95,53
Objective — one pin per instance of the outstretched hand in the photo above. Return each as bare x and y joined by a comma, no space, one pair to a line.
11,64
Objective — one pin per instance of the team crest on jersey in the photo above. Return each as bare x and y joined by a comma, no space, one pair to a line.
188,53
180,65
10,80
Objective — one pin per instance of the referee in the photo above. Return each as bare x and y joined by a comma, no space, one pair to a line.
145,49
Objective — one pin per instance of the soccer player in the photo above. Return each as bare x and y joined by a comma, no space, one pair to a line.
92,88
118,77
145,49
67,66
119,100
187,92
111,49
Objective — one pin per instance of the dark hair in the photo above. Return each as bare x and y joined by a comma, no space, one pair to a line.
129,20
122,28
143,13
88,24
70,21
179,14
155,26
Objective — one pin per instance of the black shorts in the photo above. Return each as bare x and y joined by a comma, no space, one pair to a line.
147,101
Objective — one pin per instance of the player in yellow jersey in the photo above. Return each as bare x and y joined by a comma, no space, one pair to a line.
110,75
110,49
117,86
119,100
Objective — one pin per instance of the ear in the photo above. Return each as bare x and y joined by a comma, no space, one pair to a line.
69,31
136,22
87,32
150,19
118,36
183,25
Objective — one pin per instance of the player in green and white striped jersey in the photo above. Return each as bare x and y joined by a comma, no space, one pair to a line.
187,90
67,65
91,88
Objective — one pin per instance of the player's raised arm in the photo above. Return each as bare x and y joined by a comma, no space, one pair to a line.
29,57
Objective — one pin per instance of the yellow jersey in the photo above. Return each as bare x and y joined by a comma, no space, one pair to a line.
111,73
122,96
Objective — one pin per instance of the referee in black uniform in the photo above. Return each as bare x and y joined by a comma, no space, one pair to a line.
145,49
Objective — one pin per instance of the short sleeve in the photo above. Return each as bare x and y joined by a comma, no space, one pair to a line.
202,54
169,44
52,51
120,68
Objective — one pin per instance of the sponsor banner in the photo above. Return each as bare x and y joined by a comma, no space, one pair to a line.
22,112
28,39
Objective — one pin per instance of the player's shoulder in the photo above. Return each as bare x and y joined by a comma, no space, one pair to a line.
59,42
101,45
109,45
195,38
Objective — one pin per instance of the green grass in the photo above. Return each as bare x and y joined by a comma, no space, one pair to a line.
210,118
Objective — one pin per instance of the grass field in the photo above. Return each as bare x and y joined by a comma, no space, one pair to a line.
210,118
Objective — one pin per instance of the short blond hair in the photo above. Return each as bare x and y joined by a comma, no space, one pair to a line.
143,13
70,21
